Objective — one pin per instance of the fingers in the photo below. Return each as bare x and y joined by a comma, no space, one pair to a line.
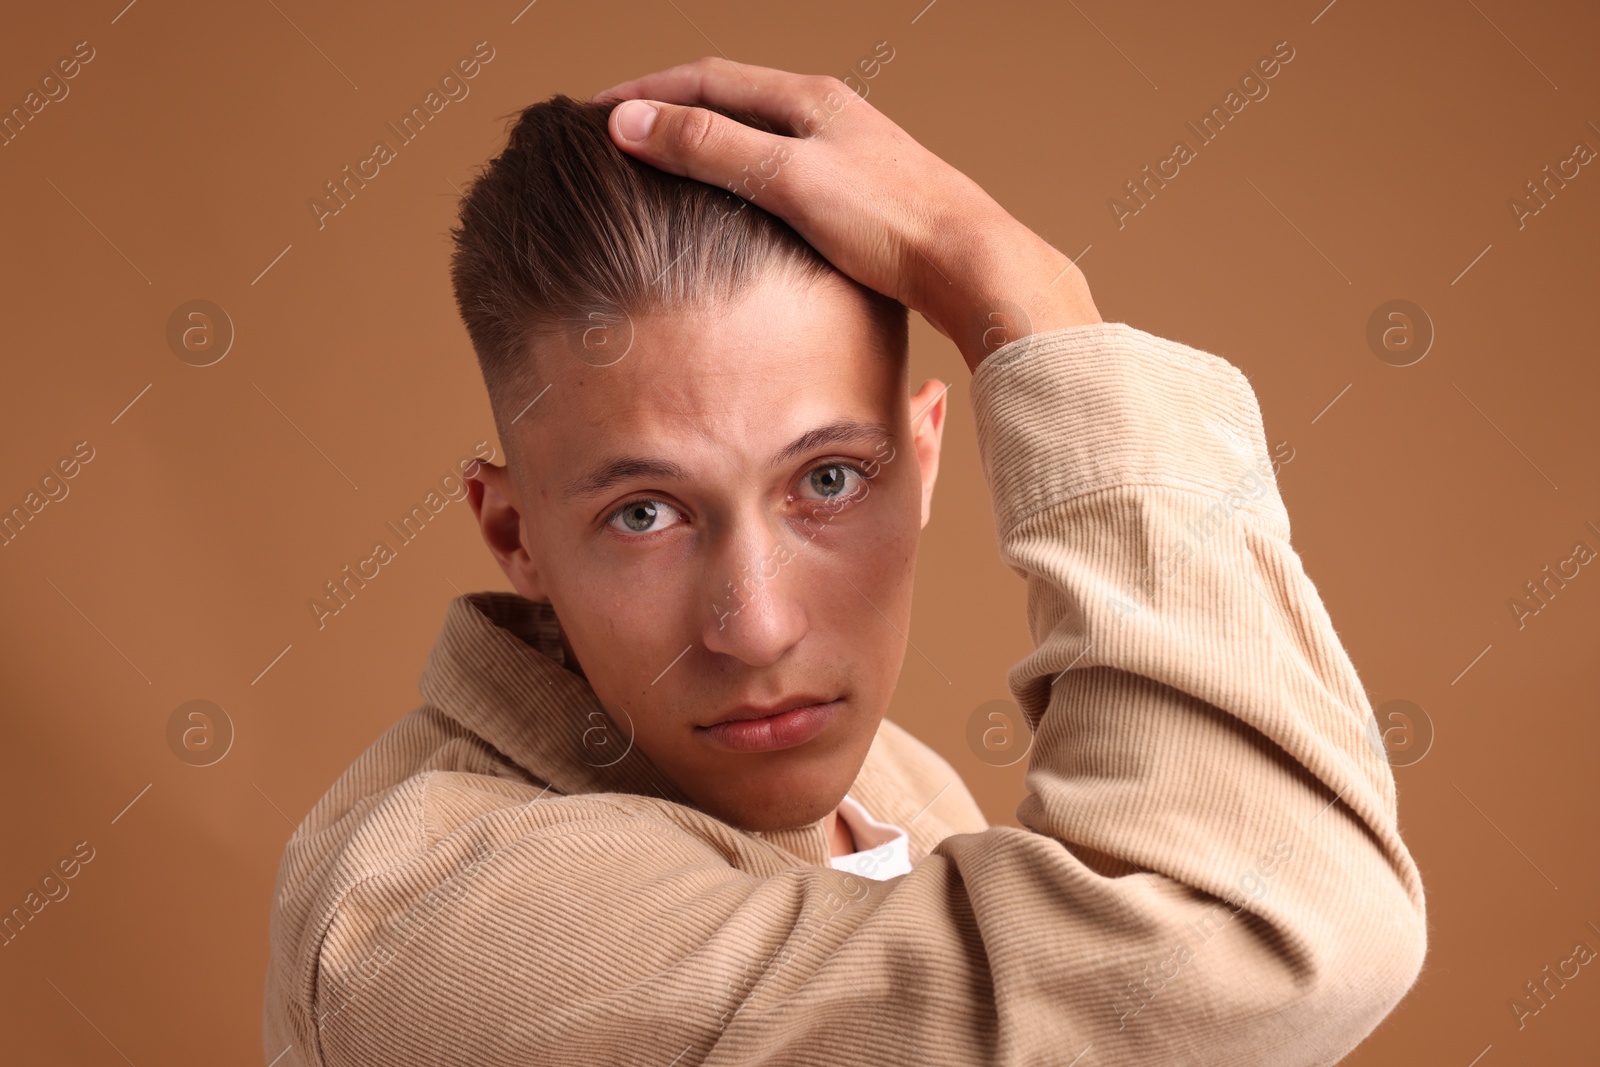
705,146
707,80
780,97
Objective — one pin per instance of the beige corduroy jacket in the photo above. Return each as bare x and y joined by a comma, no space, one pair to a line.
1211,870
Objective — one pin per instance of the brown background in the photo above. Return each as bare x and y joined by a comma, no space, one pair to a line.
181,165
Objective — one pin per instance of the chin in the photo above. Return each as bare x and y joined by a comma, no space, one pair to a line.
783,817
776,801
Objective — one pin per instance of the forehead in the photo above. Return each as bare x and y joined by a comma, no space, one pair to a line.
739,379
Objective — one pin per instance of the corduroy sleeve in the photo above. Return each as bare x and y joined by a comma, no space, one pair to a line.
1210,870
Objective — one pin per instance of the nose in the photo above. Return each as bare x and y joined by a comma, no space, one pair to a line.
755,614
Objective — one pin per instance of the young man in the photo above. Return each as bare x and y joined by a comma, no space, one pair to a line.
650,810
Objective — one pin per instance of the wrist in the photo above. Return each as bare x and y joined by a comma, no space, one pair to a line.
1005,288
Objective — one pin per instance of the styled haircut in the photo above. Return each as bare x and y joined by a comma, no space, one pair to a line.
563,230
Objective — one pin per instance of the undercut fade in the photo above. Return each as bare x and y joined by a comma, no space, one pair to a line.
563,232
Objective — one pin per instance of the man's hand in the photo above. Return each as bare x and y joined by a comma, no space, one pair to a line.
863,193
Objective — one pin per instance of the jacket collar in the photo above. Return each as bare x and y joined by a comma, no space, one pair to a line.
498,669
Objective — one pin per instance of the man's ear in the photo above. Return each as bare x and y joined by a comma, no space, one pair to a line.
927,431
495,501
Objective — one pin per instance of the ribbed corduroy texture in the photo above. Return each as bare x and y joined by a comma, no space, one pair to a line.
1211,870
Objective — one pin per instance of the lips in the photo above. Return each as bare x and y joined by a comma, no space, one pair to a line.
771,728
753,711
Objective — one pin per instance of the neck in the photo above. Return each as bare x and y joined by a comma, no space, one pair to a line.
841,843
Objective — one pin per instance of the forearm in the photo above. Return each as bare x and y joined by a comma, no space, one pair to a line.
1198,725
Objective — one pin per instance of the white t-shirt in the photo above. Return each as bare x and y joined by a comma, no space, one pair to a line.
882,851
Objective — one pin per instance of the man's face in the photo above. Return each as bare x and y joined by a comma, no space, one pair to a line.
725,521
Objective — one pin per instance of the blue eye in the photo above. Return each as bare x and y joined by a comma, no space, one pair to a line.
643,516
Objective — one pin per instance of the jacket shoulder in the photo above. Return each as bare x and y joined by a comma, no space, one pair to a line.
373,817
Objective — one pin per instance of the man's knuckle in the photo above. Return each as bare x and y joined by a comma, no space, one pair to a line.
696,130
822,97
820,89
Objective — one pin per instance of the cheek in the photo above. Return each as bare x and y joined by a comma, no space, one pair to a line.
594,581
613,620
885,554
895,525
621,614
876,550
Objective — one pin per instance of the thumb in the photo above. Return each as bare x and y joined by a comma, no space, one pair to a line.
632,120
698,143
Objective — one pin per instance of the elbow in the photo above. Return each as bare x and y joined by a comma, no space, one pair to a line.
1385,963
1371,959
1389,942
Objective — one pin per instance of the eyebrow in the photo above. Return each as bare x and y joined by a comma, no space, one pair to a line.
625,468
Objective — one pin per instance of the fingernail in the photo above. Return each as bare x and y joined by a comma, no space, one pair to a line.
634,119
